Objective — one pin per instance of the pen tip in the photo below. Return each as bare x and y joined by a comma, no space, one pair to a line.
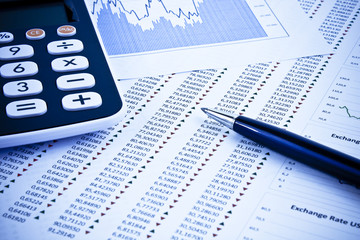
225,119
204,109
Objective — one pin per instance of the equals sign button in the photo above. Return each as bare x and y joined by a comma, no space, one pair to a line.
77,81
26,108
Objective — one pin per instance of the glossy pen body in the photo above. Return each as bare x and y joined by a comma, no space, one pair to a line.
326,159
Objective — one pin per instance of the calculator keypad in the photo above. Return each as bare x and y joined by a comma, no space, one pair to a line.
32,87
55,80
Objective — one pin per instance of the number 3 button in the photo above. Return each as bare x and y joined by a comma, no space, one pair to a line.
22,88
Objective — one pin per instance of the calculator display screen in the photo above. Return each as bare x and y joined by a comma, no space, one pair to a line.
36,13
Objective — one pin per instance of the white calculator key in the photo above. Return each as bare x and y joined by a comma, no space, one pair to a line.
22,88
26,108
19,69
66,64
16,52
6,37
75,82
81,101
65,47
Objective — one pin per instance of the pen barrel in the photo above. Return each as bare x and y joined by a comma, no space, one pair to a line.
336,163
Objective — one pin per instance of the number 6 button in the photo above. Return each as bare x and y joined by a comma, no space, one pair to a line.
22,88
19,69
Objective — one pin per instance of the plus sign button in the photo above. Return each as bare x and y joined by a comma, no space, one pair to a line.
81,101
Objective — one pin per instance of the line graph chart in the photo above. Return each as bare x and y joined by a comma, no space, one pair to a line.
138,26
341,105
152,37
138,16
348,112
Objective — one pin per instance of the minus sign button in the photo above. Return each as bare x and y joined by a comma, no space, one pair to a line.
77,81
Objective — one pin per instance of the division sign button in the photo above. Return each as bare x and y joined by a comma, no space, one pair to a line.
65,47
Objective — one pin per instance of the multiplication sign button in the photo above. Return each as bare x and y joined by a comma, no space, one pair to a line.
67,64
81,101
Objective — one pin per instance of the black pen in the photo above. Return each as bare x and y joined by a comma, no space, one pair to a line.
331,161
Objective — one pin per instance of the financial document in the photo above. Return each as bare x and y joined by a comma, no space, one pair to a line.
168,172
152,37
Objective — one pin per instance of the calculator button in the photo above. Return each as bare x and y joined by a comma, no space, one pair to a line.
75,82
81,101
66,31
67,64
22,88
26,108
16,52
35,34
19,69
6,37
65,47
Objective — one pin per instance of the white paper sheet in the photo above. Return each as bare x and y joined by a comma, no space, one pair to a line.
148,38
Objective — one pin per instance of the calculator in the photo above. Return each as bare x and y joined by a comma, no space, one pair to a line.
54,76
